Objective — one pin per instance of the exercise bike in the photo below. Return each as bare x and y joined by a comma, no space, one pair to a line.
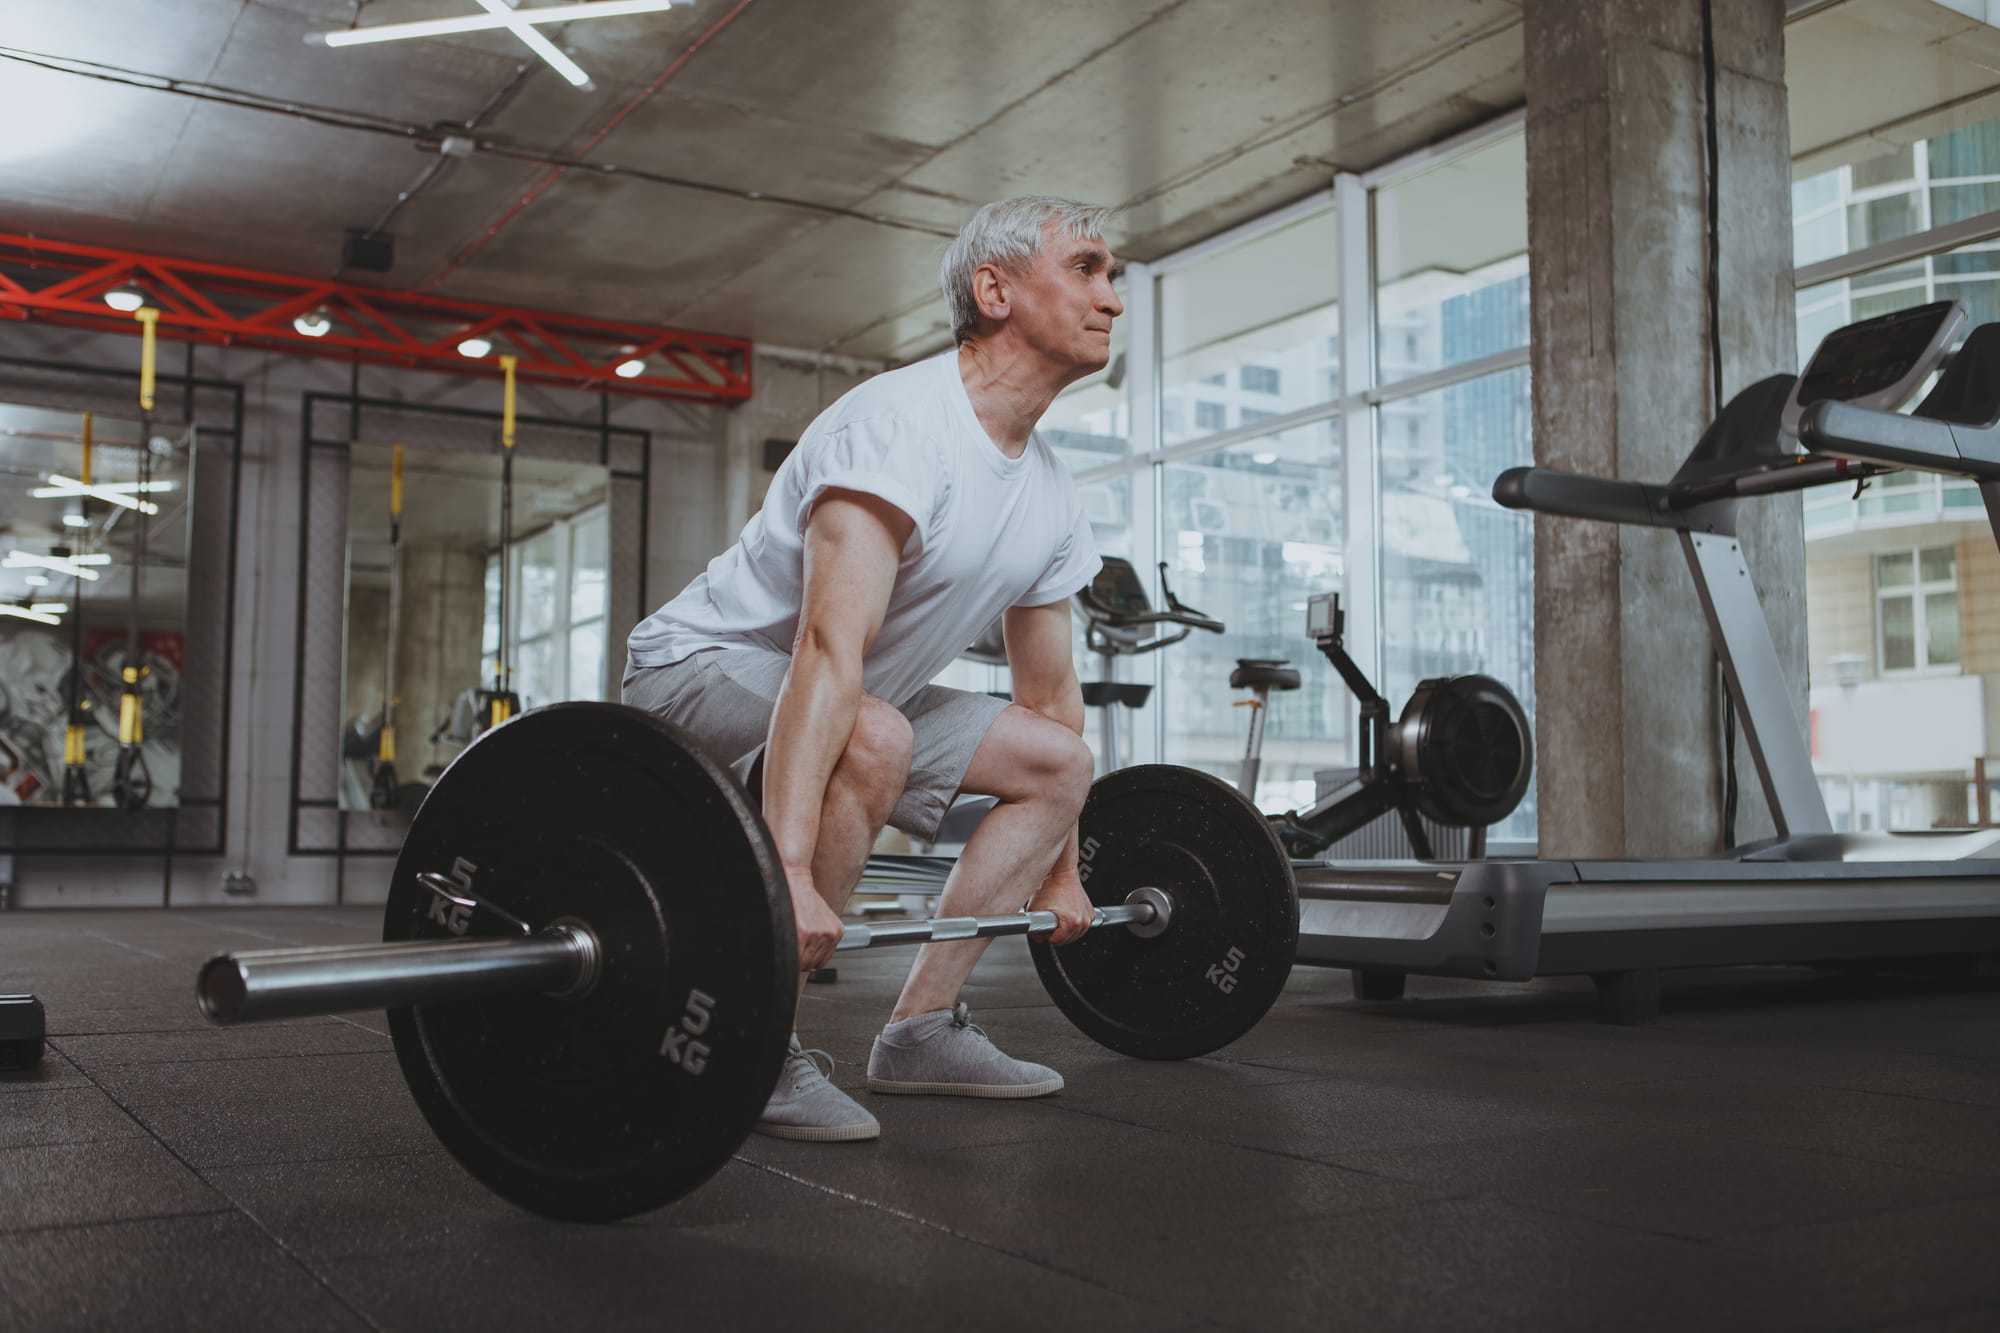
1460,755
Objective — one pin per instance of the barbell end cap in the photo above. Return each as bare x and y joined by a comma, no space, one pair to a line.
221,989
1158,903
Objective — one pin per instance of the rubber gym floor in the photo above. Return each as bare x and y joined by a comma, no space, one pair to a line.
1783,1150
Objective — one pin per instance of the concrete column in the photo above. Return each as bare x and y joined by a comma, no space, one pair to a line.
1628,704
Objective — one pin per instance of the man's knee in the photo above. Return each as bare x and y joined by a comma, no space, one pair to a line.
876,762
1060,765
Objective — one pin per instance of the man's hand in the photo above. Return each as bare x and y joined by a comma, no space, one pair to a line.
818,927
1062,893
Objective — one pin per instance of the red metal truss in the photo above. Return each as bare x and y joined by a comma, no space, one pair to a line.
65,283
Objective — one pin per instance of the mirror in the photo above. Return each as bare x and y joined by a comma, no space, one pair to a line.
423,603
93,560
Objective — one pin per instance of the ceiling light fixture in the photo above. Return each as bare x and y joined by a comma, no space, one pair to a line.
632,367
25,612
539,44
75,521
117,493
315,323
59,559
36,580
392,32
475,348
502,14
127,298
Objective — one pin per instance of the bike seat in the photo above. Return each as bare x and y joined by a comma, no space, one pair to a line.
1269,673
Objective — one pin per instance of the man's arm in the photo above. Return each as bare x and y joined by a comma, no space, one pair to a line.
854,543
1038,656
1044,678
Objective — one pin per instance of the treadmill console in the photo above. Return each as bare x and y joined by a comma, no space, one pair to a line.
1877,363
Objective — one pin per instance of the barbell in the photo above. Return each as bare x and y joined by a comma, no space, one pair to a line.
589,962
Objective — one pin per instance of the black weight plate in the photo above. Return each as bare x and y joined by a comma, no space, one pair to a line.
630,1097
1218,967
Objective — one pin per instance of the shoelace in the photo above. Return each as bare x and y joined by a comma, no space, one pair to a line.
961,1017
799,1062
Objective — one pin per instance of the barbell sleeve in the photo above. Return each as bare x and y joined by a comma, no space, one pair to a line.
291,983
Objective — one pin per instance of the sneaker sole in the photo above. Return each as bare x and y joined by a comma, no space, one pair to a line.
1003,1091
822,1133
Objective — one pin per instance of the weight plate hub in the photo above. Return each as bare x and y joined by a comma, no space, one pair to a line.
629,1097
1219,966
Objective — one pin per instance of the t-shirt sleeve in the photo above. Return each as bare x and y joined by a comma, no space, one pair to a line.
882,457
1073,566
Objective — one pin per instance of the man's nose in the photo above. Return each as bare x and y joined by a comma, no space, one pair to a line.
1111,304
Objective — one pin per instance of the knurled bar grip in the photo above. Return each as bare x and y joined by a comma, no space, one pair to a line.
562,960
942,928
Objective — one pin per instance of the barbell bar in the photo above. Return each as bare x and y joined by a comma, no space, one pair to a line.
561,961
592,1005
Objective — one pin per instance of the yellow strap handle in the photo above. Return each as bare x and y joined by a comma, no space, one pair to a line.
386,751
86,448
148,356
507,364
73,752
396,484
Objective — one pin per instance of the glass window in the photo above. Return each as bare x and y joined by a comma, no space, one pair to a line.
1209,416
1266,304
1893,168
1917,608
1451,261
556,632
1899,634
587,568
1458,570
535,584
1249,532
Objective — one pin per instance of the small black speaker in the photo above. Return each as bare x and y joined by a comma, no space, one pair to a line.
368,251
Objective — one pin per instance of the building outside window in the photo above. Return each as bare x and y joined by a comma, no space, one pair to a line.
1902,654
1259,379
1916,609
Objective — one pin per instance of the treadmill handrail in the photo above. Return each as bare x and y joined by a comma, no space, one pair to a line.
1576,495
1895,440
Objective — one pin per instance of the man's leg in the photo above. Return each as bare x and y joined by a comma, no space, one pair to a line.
863,788
1040,771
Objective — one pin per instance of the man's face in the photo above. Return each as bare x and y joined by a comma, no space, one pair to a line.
1064,304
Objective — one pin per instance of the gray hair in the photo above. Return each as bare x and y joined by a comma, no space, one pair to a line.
1008,233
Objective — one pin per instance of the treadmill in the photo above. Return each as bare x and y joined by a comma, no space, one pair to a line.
1809,895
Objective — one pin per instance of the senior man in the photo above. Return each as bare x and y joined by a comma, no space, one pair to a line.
914,510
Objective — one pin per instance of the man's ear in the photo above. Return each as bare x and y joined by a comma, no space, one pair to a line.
992,291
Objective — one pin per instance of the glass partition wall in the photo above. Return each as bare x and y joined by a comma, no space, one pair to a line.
1320,401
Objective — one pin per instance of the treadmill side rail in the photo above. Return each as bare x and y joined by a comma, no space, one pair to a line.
1490,928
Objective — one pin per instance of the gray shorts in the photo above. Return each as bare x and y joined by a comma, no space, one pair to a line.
724,697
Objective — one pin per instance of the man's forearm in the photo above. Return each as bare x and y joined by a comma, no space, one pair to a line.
810,728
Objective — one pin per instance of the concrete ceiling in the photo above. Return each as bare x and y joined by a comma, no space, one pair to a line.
790,170
869,129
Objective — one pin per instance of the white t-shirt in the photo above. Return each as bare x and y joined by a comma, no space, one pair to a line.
992,532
